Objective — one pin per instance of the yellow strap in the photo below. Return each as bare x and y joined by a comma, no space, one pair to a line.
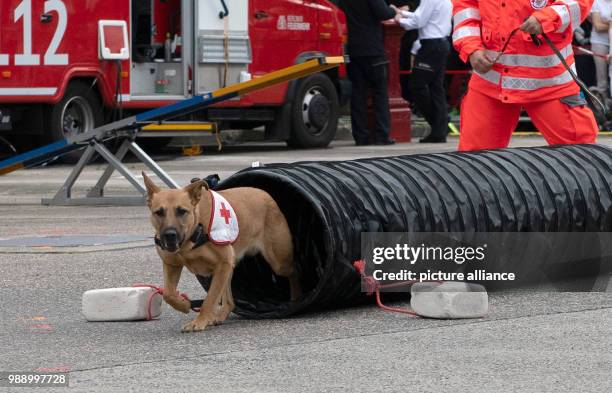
180,127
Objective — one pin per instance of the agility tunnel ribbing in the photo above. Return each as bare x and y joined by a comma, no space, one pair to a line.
329,204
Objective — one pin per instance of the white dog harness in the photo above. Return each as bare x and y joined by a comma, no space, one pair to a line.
223,226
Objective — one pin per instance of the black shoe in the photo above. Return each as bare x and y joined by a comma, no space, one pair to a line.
386,142
433,139
362,143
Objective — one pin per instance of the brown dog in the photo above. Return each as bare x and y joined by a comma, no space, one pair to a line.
199,230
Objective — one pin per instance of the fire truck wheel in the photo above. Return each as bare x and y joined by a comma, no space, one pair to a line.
79,111
314,117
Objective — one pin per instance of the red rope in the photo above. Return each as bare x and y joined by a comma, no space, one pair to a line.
372,286
590,52
393,309
448,72
159,291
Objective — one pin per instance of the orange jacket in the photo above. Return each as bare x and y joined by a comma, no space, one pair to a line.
526,72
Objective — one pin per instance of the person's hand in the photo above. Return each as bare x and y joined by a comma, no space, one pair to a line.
398,14
481,62
531,26
398,11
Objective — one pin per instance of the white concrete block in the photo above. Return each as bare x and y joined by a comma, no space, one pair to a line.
449,300
121,304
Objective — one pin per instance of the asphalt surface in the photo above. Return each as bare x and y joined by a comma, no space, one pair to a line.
531,341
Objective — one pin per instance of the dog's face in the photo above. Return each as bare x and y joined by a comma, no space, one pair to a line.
174,213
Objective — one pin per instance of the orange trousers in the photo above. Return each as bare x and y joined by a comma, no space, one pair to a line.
487,123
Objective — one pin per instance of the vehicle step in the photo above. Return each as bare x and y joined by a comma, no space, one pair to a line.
176,129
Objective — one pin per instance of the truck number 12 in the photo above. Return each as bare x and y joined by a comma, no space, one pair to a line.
24,11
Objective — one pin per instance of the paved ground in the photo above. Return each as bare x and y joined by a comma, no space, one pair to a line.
531,341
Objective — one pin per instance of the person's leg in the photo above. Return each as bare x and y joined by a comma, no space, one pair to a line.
564,121
486,123
610,74
439,126
359,94
405,61
610,78
420,80
379,80
601,67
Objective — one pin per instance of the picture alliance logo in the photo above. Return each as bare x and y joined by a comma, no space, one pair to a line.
423,253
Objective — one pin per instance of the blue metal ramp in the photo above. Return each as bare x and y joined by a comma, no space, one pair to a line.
127,129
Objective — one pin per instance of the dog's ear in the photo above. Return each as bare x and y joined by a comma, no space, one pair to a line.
195,191
151,187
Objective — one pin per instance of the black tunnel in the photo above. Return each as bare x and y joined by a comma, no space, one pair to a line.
329,204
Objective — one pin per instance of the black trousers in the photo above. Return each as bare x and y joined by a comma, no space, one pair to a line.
405,61
367,74
427,84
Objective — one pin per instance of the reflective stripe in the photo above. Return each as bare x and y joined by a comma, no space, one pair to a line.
466,14
28,91
563,13
491,76
467,31
575,13
531,60
531,84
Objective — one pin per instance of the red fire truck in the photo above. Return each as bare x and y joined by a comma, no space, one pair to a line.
68,66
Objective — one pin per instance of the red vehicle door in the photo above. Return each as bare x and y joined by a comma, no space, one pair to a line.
43,43
280,32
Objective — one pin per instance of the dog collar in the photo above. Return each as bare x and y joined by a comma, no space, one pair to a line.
198,238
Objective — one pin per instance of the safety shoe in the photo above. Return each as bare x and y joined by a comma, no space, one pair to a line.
433,139
386,142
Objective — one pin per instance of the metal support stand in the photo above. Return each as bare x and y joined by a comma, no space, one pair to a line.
95,196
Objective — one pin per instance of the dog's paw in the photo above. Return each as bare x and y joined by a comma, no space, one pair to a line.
197,325
222,314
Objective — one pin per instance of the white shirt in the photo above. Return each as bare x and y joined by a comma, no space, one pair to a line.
604,8
432,18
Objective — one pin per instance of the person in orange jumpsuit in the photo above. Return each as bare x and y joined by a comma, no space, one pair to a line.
525,75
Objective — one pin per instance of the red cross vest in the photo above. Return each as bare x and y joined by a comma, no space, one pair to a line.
223,226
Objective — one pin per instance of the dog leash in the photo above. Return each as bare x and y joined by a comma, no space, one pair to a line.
512,33
595,102
590,96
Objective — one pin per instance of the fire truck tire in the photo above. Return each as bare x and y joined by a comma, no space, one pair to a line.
315,112
79,111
